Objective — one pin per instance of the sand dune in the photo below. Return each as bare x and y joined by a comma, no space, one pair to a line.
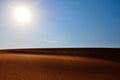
56,67
101,53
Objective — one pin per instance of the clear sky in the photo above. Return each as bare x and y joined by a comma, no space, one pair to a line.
63,23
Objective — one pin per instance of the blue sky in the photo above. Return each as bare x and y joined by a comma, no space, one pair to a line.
65,23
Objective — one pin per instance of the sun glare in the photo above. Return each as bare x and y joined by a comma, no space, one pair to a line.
22,14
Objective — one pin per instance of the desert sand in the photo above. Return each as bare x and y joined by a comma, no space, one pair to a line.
18,66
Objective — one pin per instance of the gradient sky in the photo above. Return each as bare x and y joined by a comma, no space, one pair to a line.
65,23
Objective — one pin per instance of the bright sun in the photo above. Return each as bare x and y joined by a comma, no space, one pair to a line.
22,14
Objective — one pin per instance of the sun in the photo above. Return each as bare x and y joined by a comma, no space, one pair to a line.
22,14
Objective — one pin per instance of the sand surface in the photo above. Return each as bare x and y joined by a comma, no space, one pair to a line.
50,67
